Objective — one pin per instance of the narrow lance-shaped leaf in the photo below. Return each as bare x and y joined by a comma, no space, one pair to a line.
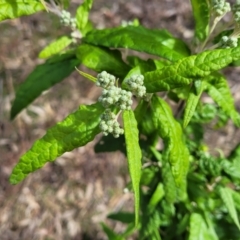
110,233
171,132
134,156
10,9
55,47
100,59
217,87
156,196
124,217
82,14
153,41
192,102
169,184
42,78
187,69
226,195
76,130
201,13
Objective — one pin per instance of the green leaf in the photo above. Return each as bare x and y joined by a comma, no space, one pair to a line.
168,182
192,102
55,47
201,13
217,87
134,71
148,175
150,223
227,197
76,130
236,199
199,229
42,78
231,168
10,9
82,14
184,71
145,66
153,41
182,224
100,59
143,114
110,233
129,230
235,153
88,76
171,132
134,156
124,217
210,224
157,195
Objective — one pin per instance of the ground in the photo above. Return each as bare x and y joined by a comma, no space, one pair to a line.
68,199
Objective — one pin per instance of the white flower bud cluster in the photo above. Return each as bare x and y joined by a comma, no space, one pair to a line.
111,94
220,7
67,20
135,84
109,124
105,80
229,42
236,12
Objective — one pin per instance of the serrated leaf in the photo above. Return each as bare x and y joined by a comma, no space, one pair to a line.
191,104
124,217
199,229
201,13
101,59
42,78
184,71
55,47
217,87
82,14
150,224
10,9
168,182
226,195
171,132
74,131
153,41
134,156
110,233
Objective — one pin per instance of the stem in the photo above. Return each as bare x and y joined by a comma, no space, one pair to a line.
215,22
